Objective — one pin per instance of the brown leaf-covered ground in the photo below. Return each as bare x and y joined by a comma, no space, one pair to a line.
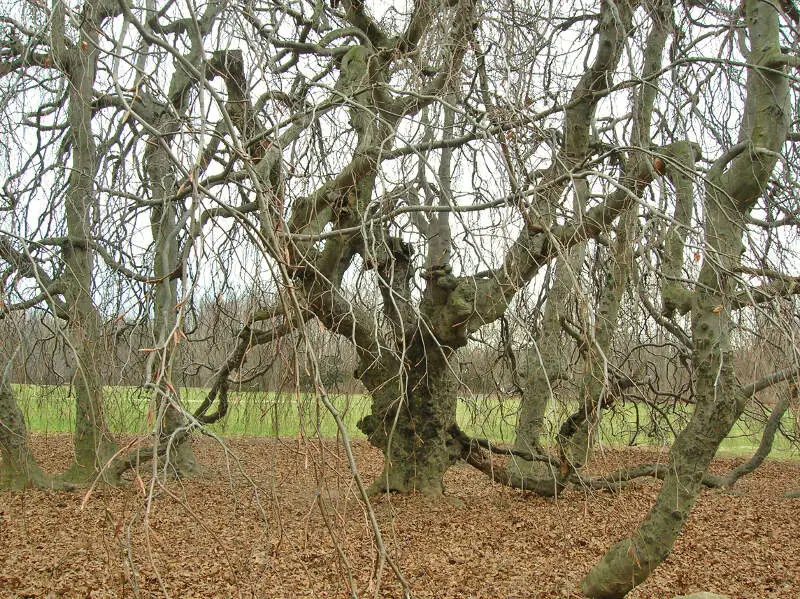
280,519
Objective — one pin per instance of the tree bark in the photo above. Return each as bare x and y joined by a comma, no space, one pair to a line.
18,468
546,367
167,328
632,560
407,373
730,195
575,436
94,446
167,261
166,325
413,411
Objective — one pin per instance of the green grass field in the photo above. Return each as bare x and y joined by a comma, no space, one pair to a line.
50,409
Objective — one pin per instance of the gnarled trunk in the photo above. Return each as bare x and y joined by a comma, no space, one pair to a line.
180,458
413,410
613,28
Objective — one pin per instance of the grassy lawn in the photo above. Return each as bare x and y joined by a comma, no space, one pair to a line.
50,409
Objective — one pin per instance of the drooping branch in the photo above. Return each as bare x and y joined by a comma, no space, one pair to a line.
247,339
545,486
783,287
764,447
24,265
749,391
474,443
550,364
619,479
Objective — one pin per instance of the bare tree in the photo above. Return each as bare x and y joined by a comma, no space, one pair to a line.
734,184
404,178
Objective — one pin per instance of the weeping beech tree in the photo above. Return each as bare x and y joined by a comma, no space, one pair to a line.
403,176
72,52
406,363
574,434
732,188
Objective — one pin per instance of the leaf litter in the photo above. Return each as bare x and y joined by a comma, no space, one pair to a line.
276,518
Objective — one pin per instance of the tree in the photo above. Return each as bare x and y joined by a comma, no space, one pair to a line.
735,182
404,178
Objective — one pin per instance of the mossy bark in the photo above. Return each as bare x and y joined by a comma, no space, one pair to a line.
413,410
18,468
632,560
412,388
730,195
680,166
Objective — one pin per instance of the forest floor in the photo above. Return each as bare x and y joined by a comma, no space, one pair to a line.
279,518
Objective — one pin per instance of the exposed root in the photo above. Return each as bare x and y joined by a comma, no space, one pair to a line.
473,454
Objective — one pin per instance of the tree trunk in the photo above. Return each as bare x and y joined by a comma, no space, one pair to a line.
575,437
180,460
94,446
730,196
595,386
631,561
413,411
168,268
545,369
18,468
166,325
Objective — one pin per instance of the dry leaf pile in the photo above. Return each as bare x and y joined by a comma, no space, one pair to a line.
279,518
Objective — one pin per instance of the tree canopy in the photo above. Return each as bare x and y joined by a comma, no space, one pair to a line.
602,192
